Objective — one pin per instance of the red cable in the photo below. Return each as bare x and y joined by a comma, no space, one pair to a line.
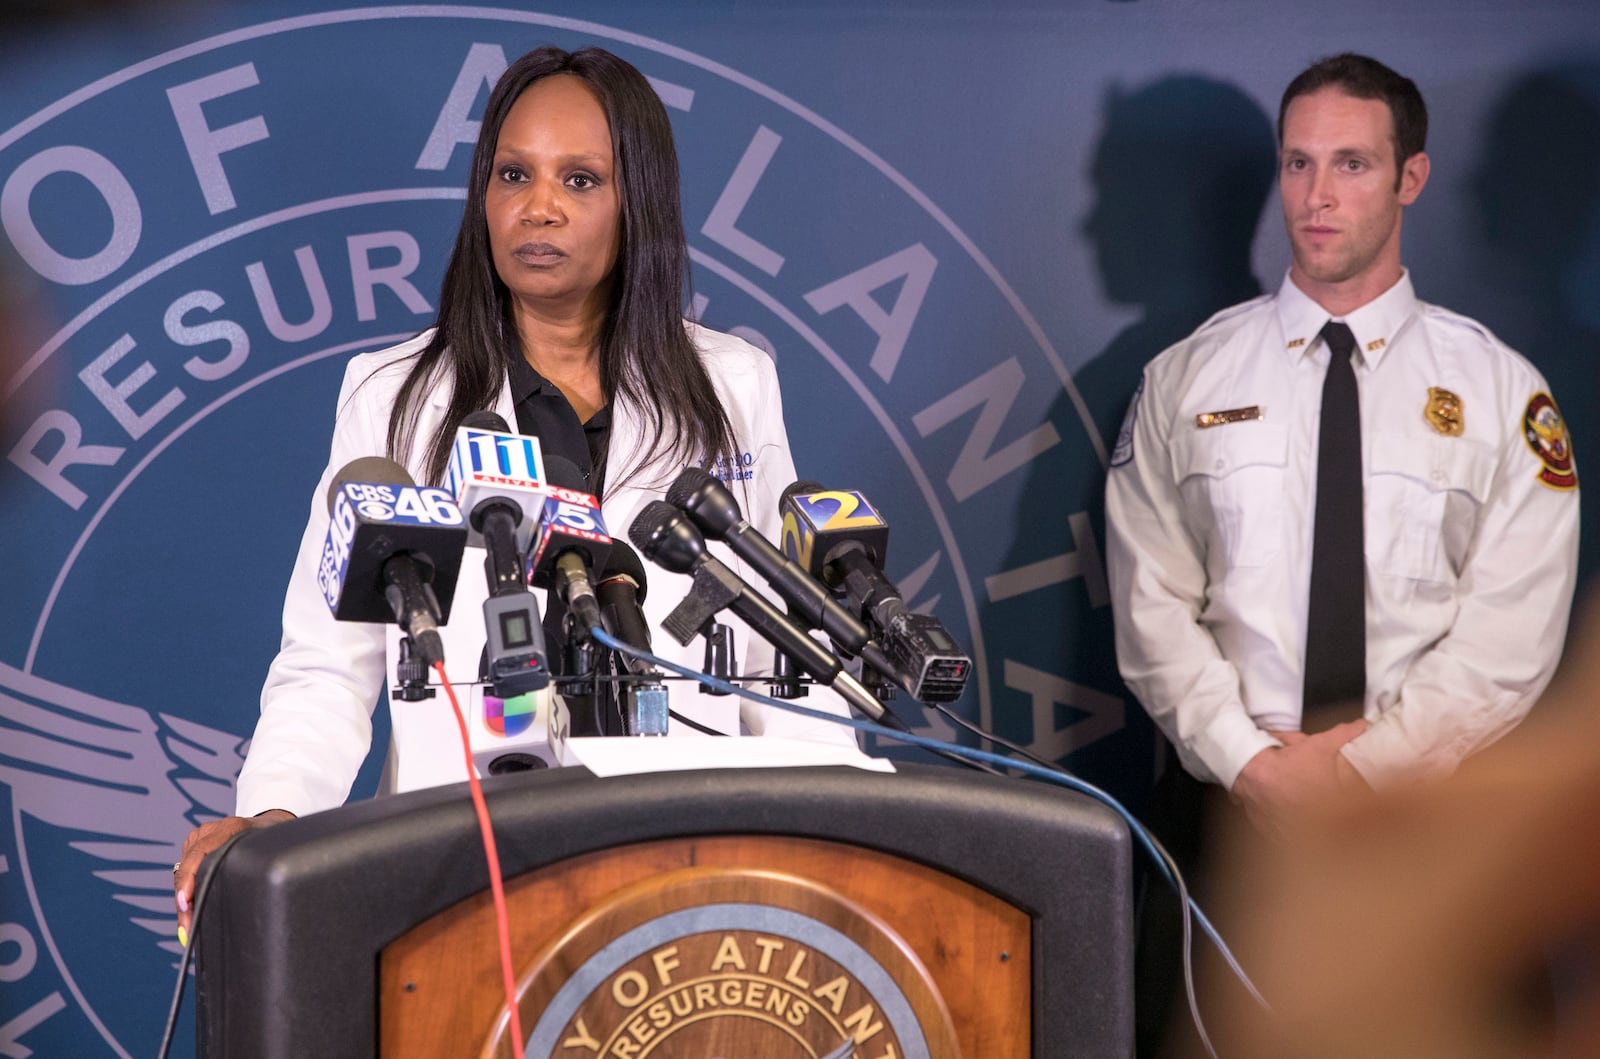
502,921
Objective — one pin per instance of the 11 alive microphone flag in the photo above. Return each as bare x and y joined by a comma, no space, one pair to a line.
490,463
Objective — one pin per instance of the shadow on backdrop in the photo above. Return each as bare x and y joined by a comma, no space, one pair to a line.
1535,189
1180,172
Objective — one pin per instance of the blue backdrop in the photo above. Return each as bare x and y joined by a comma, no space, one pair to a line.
960,229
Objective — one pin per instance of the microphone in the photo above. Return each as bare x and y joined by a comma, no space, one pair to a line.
493,473
712,507
494,476
488,463
393,550
664,536
570,541
620,592
838,537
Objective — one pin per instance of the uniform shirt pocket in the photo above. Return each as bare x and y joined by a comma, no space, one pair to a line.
1424,496
1232,481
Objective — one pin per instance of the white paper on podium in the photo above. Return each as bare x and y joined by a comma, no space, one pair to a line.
624,756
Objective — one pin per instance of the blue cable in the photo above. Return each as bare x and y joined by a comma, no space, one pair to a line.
1056,776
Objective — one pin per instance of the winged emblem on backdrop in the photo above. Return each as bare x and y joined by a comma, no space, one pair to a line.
137,780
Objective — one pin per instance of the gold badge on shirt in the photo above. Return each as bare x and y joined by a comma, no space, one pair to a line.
1444,412
1232,415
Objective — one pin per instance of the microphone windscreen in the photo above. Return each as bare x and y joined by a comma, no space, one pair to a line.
559,470
486,421
689,480
802,487
378,470
652,518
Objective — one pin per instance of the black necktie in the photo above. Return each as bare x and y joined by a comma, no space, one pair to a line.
1336,620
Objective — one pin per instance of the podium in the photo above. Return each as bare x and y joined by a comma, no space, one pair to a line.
746,913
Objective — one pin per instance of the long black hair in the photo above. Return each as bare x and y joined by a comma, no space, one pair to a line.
646,357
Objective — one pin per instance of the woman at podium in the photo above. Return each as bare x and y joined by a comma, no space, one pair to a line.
561,311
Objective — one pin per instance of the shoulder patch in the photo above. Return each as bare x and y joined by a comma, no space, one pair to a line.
1547,435
1123,453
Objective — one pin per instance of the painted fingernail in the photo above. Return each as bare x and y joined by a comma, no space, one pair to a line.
183,901
183,936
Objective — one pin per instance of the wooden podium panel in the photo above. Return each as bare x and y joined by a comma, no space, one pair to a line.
961,958
995,914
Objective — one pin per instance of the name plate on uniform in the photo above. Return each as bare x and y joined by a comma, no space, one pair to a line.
1232,415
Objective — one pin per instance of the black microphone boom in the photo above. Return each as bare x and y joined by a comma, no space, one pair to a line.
664,536
711,506
644,702
620,592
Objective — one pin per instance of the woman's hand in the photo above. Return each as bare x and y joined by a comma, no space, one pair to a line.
201,841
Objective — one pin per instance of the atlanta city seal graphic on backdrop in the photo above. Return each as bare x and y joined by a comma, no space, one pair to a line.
215,229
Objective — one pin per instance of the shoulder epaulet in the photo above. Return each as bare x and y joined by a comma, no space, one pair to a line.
1207,334
1439,314
1464,326
1232,311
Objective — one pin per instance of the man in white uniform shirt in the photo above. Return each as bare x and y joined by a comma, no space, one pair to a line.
1460,539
